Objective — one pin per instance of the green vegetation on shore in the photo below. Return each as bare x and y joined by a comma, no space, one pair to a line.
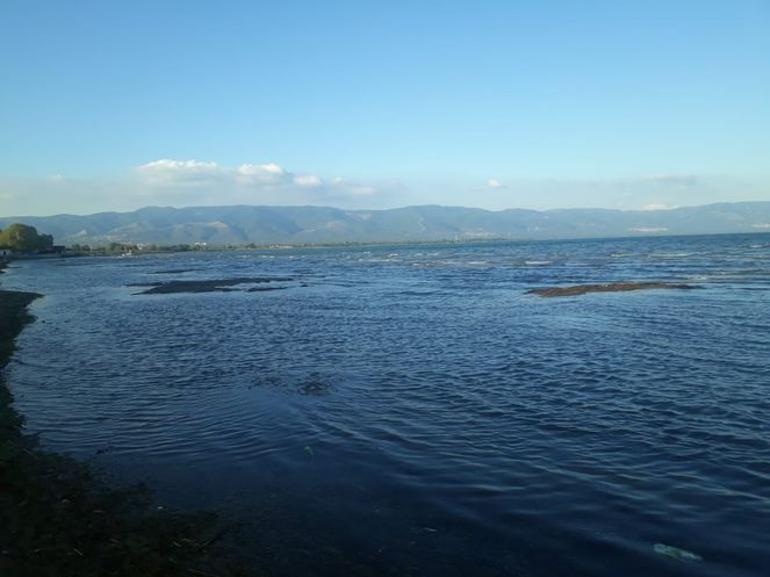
116,248
57,519
23,238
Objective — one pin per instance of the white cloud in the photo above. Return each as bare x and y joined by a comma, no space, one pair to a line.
175,182
657,206
308,180
204,182
184,172
269,168
170,173
167,165
259,175
261,171
174,172
648,229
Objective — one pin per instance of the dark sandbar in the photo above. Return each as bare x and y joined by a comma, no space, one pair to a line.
174,271
605,288
203,286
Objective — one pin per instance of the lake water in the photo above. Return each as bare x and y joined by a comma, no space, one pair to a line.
410,410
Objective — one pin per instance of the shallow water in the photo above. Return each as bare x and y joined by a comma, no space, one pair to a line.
409,410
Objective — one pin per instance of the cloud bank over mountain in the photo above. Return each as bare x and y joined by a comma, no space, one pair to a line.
195,182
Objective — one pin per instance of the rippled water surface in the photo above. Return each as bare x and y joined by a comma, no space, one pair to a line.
409,410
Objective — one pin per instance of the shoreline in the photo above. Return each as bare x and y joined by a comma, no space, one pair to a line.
60,519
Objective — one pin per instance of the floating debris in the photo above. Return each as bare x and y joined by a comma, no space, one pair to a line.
676,552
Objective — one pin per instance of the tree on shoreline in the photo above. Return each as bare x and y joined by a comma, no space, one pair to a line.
23,238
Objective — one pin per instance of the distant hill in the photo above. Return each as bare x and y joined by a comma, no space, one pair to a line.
309,224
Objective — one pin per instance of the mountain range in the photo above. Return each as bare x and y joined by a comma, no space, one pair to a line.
220,225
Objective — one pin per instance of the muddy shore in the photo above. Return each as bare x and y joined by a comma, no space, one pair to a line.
59,519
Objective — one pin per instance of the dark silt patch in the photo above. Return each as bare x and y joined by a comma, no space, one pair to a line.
577,290
216,285
174,271
259,289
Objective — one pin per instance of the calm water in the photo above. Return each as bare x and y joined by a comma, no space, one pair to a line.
411,411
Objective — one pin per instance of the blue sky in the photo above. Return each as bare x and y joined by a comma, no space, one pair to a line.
108,105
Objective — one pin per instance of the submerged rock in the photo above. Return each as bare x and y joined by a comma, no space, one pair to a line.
604,288
314,387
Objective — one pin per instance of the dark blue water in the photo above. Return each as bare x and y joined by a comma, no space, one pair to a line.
411,411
